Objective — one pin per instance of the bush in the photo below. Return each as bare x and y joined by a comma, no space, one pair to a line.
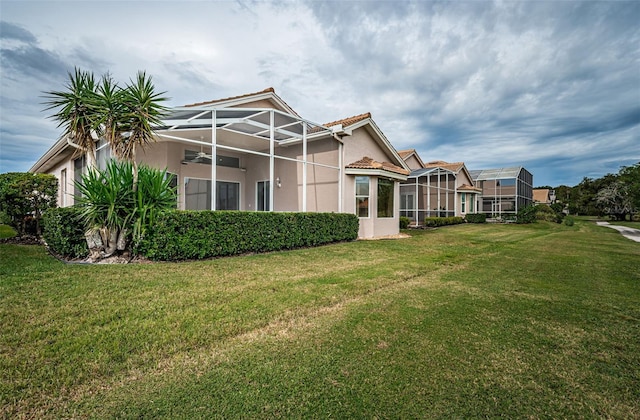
526,215
24,197
476,218
110,200
442,221
568,221
184,235
549,213
63,231
404,222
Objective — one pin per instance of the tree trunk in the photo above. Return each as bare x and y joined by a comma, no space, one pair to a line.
112,241
135,167
94,243
121,244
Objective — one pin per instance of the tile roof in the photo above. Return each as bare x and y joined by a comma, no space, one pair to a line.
349,121
465,187
267,90
404,153
541,195
368,163
454,167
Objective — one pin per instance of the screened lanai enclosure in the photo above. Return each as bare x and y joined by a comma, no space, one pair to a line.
265,160
428,192
504,191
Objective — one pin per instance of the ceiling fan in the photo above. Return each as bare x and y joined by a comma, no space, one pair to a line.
191,156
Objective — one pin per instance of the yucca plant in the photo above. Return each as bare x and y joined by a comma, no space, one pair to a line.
113,212
153,196
76,112
108,206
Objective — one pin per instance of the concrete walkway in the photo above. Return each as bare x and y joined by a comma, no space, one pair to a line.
627,232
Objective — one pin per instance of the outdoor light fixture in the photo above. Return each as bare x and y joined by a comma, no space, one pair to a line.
278,183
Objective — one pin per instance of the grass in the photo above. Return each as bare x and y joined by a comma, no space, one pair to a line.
6,231
466,321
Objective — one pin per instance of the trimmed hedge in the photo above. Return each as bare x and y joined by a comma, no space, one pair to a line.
187,235
476,218
63,231
442,221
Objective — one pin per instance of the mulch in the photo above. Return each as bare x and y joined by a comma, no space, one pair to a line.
22,240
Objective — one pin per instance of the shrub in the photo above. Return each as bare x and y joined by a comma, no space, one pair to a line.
568,221
442,221
63,231
110,202
476,218
184,235
24,197
549,213
404,222
526,215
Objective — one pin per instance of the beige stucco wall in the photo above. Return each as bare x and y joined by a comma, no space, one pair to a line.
374,226
361,144
413,162
65,189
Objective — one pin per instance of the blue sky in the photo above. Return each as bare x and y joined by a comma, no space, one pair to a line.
551,86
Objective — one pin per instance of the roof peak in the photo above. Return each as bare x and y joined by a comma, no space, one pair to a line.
350,120
246,95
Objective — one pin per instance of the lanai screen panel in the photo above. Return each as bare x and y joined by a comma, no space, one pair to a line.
268,136
504,190
431,191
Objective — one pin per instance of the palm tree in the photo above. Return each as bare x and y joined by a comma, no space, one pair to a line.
76,112
142,111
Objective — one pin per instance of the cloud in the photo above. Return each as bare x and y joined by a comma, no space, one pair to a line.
553,86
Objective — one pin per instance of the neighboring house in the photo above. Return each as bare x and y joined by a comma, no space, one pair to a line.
267,158
544,196
436,189
504,191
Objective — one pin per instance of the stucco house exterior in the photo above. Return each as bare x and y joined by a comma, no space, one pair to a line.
267,158
436,189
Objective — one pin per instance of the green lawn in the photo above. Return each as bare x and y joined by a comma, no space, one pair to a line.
6,232
520,321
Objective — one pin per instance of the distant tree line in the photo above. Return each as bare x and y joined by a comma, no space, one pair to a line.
613,195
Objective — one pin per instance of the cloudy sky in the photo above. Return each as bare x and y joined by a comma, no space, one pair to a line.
551,86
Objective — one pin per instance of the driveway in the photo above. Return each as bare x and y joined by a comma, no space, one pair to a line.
627,232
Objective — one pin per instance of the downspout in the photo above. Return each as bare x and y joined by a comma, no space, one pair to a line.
214,159
304,168
341,171
271,159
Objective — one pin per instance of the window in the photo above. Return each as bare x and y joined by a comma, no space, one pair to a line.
63,188
263,189
362,196
198,195
385,197
103,154
173,183
463,201
221,160
227,196
79,168
407,205
472,199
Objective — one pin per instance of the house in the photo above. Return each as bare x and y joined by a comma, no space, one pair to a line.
436,189
505,191
267,158
544,196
